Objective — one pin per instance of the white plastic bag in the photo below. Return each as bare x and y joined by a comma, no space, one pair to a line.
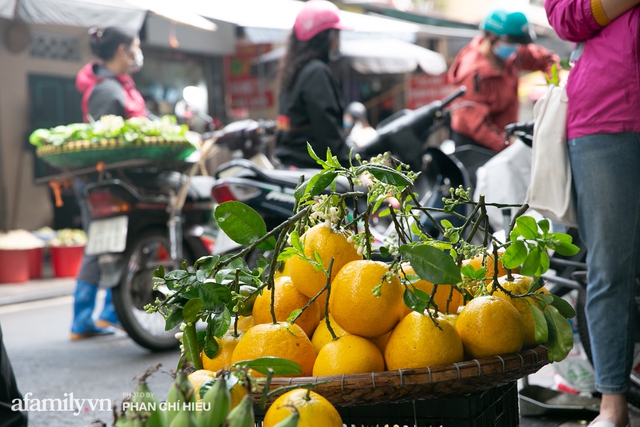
550,191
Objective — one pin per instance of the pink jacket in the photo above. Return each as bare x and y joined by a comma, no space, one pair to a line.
86,81
604,85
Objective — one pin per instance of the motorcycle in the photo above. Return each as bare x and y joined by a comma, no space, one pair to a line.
271,191
134,230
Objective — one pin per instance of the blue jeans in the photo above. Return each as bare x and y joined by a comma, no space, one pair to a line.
606,177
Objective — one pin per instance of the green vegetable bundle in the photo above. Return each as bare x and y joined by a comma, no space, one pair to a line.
113,127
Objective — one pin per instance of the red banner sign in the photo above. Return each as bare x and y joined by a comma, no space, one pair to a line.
425,88
242,87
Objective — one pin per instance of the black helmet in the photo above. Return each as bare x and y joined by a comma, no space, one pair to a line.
357,110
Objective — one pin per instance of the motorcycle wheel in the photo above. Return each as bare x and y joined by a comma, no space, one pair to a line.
135,291
633,395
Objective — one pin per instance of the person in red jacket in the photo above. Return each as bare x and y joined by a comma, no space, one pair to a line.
107,89
106,84
489,66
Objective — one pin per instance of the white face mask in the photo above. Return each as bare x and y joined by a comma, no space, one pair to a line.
138,61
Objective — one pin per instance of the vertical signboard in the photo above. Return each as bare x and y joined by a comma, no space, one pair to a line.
245,90
424,88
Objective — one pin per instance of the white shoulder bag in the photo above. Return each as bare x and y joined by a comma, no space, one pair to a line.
550,191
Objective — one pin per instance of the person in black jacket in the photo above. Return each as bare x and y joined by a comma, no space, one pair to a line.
311,106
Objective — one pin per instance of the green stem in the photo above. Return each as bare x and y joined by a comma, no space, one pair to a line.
326,303
190,340
315,297
235,322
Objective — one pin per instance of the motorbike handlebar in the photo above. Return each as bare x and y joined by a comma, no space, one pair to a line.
522,130
522,127
453,96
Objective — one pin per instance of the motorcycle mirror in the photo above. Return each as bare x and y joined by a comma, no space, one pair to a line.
180,110
448,146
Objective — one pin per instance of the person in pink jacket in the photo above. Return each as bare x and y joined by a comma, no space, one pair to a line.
603,131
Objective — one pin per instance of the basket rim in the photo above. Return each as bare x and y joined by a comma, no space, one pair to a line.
453,379
85,145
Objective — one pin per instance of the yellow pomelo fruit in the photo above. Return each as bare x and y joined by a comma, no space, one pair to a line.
417,342
349,354
328,243
314,410
354,305
322,336
276,340
490,326
287,299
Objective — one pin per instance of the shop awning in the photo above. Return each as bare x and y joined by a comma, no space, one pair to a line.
98,13
379,56
271,21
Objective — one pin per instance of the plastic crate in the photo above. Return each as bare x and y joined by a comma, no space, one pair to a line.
496,407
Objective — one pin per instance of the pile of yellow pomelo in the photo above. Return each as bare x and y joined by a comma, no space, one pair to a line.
376,331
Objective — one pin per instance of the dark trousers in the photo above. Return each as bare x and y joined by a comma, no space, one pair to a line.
9,392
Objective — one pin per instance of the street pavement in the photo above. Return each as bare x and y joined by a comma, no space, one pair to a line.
18,295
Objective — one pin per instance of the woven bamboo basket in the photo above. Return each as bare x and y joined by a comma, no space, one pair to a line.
79,154
426,383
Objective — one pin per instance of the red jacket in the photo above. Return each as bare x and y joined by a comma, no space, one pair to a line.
492,95
121,98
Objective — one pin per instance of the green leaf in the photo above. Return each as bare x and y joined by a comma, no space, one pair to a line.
544,225
211,346
413,301
173,320
481,273
384,212
563,307
432,264
176,275
385,174
468,271
546,298
220,323
535,285
242,224
567,249
293,315
301,190
206,262
544,263
192,309
279,365
446,224
384,252
531,262
560,335
323,181
159,272
313,155
527,227
214,295
515,255
541,330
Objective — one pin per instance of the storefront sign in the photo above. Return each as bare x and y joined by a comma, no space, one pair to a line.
425,88
245,90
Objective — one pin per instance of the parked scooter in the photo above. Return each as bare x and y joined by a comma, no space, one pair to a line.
271,191
134,231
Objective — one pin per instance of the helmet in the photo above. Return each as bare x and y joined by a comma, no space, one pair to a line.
511,25
357,110
315,17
